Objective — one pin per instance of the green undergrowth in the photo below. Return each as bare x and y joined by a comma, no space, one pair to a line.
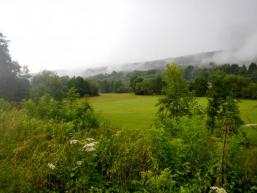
63,146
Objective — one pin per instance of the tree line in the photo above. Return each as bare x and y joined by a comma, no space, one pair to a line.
16,83
121,82
48,82
241,79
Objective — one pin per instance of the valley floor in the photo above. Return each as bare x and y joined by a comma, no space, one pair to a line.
134,111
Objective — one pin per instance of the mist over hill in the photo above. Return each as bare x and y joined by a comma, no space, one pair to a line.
199,59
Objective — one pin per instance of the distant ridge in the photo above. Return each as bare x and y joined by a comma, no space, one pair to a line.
193,59
204,58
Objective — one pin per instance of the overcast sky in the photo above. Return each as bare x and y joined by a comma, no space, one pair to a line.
66,34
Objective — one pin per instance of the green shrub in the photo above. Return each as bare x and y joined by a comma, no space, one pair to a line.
76,112
4,105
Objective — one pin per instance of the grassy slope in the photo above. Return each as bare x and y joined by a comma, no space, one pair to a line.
126,110
130,111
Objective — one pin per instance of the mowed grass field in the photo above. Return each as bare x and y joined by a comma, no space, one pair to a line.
126,110
132,111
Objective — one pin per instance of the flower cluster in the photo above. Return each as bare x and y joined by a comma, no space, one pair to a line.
217,189
88,145
51,166
74,141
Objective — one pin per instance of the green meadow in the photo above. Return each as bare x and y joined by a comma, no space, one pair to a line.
126,110
133,111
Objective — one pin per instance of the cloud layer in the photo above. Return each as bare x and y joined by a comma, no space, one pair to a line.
65,34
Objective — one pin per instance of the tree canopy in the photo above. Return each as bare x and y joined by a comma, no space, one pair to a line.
13,81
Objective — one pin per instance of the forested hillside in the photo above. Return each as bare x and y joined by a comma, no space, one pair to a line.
242,79
199,59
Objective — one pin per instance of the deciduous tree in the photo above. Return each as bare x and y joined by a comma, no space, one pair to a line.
13,81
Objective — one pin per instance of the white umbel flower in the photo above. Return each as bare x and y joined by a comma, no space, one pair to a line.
79,163
217,189
90,146
51,166
73,141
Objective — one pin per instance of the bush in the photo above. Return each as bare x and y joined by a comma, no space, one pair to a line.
47,151
4,105
76,112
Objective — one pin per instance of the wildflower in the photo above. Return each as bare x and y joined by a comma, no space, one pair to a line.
217,189
89,139
73,141
90,146
51,166
79,163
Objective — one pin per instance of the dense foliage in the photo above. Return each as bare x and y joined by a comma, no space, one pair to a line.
13,79
47,82
119,82
241,79
178,100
